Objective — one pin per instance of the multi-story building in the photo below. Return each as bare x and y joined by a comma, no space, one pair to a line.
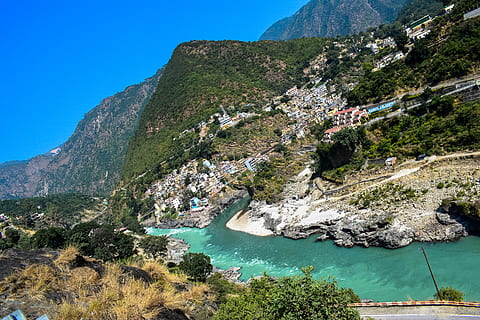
351,116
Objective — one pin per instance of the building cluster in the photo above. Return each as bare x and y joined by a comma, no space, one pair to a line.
388,59
190,187
202,180
308,106
252,163
379,44
3,217
350,117
419,28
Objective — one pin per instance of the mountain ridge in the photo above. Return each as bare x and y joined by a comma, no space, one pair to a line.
332,18
91,159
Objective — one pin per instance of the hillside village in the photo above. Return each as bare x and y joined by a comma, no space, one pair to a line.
186,192
307,160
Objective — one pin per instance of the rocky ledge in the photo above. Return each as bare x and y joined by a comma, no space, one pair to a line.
367,228
231,274
176,248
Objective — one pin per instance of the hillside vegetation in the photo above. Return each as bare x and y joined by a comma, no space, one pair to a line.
199,78
66,285
450,50
60,210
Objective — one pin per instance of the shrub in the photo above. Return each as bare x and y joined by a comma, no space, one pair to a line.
298,297
49,238
449,294
196,265
154,245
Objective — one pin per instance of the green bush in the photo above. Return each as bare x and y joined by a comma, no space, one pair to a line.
449,294
196,265
298,297
49,238
154,245
222,287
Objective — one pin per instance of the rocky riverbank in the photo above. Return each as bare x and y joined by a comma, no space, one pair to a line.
201,219
401,207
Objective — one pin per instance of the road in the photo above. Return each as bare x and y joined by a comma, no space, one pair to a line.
419,312
420,316
445,84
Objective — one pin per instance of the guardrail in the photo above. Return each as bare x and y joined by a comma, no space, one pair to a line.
417,303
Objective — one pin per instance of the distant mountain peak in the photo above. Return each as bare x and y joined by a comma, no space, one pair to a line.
330,18
90,160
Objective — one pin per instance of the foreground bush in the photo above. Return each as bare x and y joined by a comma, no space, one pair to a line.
298,297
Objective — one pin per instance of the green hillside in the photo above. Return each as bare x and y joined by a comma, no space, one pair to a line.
202,76
450,50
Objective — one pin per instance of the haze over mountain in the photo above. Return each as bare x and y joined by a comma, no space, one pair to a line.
91,159
329,18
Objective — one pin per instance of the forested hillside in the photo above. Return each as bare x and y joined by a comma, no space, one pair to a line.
202,76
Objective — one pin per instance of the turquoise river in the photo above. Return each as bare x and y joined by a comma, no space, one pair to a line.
374,273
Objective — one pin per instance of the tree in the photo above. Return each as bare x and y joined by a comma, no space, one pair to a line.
196,265
298,297
154,245
49,238
110,245
449,294
13,235
79,236
101,241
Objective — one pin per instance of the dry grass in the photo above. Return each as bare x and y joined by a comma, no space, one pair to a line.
117,297
196,293
130,299
68,256
83,281
159,272
82,292
36,279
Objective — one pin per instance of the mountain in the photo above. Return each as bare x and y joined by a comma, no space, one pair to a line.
90,161
202,76
329,18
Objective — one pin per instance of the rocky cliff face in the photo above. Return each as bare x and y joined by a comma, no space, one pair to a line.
91,160
329,18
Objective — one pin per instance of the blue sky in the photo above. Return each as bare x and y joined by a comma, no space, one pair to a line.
60,58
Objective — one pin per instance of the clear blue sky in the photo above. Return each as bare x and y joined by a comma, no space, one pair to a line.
60,58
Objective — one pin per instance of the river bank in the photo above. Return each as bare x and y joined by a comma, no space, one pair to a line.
374,273
401,207
390,206
200,219
242,221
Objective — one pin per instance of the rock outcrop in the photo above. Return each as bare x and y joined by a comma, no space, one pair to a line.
391,212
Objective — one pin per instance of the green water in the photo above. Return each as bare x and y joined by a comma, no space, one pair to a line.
374,273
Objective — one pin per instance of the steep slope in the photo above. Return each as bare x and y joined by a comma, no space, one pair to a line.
329,18
202,76
90,161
